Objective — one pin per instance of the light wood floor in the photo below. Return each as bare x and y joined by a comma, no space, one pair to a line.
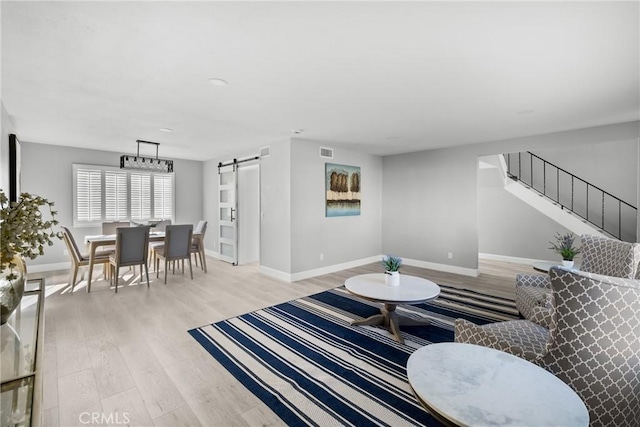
128,355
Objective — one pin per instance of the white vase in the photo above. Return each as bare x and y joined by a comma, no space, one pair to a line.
568,264
392,278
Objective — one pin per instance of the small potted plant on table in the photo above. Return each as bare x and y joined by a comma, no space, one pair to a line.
563,245
391,266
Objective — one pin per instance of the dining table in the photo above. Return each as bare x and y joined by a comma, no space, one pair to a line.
95,241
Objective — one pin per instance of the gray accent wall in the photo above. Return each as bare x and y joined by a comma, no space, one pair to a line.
430,198
508,226
275,205
47,171
339,239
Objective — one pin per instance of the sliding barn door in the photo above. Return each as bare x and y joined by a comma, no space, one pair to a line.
228,222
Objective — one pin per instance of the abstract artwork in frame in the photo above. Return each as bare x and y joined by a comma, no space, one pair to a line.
342,185
14,168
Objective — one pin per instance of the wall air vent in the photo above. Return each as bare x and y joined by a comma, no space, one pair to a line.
265,151
326,153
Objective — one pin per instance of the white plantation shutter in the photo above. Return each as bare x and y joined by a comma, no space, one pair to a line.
140,196
163,196
106,193
115,195
88,195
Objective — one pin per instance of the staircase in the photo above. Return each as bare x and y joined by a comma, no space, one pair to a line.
584,207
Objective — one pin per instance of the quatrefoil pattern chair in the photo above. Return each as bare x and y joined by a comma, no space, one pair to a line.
600,255
593,343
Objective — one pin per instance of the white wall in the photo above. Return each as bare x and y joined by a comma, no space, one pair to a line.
47,171
6,128
339,239
430,197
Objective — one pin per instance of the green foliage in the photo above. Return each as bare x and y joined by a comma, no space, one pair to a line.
23,230
391,263
564,246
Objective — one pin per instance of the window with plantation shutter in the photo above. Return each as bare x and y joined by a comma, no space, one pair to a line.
88,206
163,196
106,193
140,196
116,197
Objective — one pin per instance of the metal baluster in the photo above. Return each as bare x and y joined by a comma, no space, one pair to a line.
619,220
544,177
520,166
603,210
572,184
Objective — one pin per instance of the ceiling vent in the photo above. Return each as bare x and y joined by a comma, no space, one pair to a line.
326,153
265,151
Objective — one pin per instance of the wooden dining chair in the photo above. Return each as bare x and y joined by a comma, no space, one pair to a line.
79,259
177,247
132,248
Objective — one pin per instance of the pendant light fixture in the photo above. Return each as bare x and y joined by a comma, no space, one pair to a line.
128,161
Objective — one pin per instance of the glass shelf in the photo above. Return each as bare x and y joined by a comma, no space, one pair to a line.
19,352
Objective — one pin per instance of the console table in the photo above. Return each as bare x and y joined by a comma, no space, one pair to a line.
21,352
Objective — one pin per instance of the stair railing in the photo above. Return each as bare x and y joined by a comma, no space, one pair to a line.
602,209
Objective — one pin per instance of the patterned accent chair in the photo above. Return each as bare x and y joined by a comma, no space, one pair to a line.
593,343
600,255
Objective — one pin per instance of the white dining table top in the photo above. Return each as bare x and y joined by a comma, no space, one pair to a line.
412,289
474,385
110,237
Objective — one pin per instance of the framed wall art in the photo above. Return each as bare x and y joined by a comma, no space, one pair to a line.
342,185
14,168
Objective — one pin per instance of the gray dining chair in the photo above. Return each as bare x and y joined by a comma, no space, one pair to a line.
176,247
110,227
160,226
132,248
78,259
197,245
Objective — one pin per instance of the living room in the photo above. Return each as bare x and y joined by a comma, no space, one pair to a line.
410,98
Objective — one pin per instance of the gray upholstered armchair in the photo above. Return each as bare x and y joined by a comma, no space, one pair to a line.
600,255
593,343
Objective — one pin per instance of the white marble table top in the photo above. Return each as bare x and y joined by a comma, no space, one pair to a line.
412,290
473,385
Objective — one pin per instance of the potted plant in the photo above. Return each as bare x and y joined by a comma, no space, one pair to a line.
564,246
391,266
23,234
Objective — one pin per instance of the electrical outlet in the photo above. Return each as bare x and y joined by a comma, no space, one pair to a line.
450,255
321,257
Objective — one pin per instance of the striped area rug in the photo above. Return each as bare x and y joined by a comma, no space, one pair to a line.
306,362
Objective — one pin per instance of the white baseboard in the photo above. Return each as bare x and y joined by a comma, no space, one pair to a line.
276,274
472,272
510,259
288,277
40,268
211,253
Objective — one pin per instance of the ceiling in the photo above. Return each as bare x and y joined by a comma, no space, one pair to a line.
376,77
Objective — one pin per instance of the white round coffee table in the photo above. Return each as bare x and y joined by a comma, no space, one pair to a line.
412,290
466,384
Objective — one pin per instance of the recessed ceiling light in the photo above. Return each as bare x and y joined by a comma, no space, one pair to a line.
165,130
218,82
296,131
